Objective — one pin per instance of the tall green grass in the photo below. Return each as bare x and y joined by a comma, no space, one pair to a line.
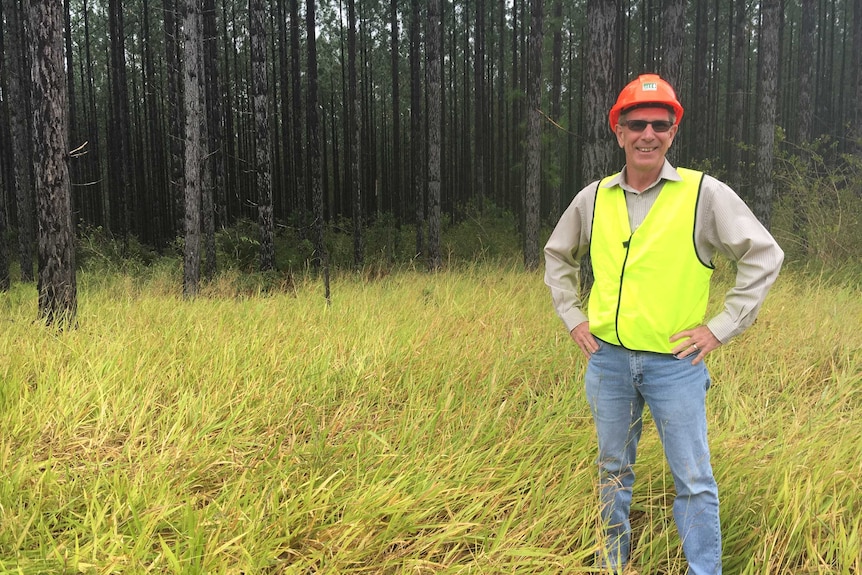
420,424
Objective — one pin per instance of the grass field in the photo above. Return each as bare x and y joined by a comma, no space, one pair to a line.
420,424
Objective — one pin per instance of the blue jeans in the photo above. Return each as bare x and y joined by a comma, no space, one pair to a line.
619,382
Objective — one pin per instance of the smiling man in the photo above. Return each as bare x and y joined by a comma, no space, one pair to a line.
651,232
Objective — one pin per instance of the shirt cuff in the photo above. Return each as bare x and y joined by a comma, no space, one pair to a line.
722,328
573,318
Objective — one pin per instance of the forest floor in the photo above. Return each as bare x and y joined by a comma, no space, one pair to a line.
420,423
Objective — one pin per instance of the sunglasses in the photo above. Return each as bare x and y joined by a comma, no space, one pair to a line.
640,125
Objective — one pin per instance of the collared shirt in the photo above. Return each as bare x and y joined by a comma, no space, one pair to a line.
724,224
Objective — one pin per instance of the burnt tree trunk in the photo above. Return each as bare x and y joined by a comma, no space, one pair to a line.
58,299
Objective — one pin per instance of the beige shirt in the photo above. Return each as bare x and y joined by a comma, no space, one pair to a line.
724,224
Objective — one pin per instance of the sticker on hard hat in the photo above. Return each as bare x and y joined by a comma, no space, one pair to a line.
649,86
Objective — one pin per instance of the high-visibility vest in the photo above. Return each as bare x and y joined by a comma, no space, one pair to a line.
649,284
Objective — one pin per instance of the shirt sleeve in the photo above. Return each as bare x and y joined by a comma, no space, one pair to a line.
568,243
726,225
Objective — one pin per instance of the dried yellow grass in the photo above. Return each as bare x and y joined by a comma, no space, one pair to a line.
422,423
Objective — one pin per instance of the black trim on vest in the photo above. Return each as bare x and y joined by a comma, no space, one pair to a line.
710,264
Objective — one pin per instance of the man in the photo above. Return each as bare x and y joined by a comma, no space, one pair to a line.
651,232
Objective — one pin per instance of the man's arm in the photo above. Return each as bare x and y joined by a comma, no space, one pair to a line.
568,243
729,227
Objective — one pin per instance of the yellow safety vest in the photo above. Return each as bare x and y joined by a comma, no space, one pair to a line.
649,284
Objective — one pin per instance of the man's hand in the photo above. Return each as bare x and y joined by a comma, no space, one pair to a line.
585,340
698,342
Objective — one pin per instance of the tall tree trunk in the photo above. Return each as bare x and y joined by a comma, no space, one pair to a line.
18,84
557,148
396,190
807,47
122,180
767,96
534,137
5,168
736,118
435,92
416,126
479,137
856,112
263,167
215,132
284,191
58,298
206,166
313,129
805,109
299,175
353,134
673,40
176,138
193,146
99,193
73,136
697,124
153,196
599,98
600,92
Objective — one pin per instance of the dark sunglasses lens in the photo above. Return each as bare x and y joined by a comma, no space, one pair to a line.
640,125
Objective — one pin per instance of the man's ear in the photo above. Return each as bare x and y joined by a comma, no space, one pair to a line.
618,131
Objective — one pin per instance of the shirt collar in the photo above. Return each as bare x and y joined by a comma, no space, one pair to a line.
668,172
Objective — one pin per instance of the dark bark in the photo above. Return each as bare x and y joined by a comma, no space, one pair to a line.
673,40
176,138
435,92
18,85
299,176
119,136
600,87
396,189
5,169
73,137
57,285
263,154
856,109
534,136
736,117
215,132
479,128
556,149
600,96
100,205
767,96
353,134
416,126
321,257
805,109
193,146
696,124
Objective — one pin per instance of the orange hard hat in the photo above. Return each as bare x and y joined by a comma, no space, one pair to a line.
647,90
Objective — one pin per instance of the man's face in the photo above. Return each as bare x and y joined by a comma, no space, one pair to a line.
645,150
